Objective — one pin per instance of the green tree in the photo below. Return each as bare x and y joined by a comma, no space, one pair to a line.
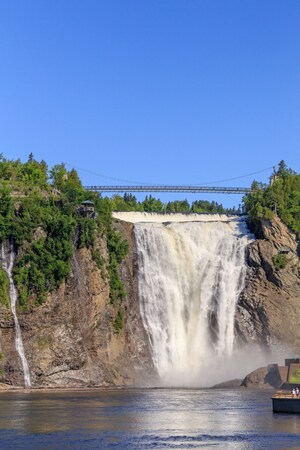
58,175
151,204
178,206
281,197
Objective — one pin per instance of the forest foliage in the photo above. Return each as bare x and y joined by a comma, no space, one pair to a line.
39,214
280,197
129,202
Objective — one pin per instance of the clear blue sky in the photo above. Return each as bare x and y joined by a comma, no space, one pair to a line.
154,91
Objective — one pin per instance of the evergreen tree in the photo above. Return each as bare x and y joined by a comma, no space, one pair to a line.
281,197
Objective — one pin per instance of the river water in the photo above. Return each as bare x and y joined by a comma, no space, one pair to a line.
145,419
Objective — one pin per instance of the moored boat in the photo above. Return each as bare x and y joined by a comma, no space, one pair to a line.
287,397
284,402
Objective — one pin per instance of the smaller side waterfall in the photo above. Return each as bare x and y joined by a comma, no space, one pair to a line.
8,267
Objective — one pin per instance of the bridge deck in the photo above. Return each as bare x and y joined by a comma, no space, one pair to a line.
189,189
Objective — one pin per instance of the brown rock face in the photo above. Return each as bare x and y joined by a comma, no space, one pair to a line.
70,340
269,377
268,312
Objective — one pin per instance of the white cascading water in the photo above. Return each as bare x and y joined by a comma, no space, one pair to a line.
8,267
190,275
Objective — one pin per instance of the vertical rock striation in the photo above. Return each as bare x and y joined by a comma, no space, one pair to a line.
268,312
70,340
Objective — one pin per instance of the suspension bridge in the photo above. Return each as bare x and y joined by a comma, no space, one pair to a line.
168,188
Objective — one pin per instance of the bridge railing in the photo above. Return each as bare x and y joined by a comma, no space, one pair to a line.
162,188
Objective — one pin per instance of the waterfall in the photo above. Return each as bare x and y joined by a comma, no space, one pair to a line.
8,267
190,275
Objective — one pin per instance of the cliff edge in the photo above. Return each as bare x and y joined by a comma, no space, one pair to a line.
268,312
70,340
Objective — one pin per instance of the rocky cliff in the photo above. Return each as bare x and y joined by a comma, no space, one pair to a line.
70,340
268,312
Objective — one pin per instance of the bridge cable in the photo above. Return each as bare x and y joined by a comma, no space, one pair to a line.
235,178
149,184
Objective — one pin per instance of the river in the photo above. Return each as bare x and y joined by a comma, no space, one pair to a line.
145,419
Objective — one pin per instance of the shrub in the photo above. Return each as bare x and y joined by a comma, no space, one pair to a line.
42,342
87,232
118,323
118,248
4,288
98,258
279,261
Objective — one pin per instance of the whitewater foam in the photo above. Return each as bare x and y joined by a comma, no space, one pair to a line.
190,276
8,267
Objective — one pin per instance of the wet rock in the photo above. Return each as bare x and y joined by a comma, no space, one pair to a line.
229,384
263,378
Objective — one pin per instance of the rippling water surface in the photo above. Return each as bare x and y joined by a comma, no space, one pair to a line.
145,418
